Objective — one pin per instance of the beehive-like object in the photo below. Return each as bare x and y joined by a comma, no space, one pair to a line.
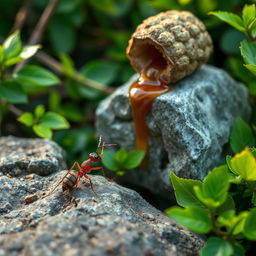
176,36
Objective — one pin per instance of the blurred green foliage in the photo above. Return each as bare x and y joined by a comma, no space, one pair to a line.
90,37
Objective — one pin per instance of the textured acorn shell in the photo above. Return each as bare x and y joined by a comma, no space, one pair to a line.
177,36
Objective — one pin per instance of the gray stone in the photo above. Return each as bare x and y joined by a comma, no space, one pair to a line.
188,126
115,222
19,155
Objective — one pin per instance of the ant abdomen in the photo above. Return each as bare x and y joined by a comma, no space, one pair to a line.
70,180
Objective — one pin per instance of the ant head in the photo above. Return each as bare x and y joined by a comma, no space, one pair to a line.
95,157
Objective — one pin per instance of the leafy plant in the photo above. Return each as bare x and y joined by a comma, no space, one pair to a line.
122,160
247,25
43,123
213,205
13,84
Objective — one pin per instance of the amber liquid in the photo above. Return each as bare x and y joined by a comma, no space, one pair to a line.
141,94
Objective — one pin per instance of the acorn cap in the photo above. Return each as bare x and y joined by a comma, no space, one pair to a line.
178,38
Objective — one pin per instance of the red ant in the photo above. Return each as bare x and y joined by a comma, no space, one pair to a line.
72,177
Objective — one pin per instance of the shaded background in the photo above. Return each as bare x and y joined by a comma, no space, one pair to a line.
92,36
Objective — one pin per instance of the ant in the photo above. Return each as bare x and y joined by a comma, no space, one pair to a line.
71,179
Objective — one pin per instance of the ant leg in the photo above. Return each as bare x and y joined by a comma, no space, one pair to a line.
73,199
90,181
70,169
103,172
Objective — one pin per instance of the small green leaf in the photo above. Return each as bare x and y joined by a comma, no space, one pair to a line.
230,18
244,164
108,159
42,131
184,191
194,218
248,51
251,67
12,45
100,71
248,14
54,121
229,220
213,193
133,159
37,76
27,119
216,247
250,225
39,111
67,64
12,92
241,136
121,155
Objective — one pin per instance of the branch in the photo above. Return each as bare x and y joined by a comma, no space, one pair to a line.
21,16
57,67
40,27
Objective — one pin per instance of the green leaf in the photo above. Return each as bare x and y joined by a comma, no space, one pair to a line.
1,53
229,204
108,159
101,71
29,51
26,53
184,191
68,64
241,136
27,119
37,76
250,225
213,193
230,18
12,45
248,51
244,164
54,121
229,220
251,67
12,92
43,131
248,14
62,34
39,111
194,218
121,155
215,246
133,159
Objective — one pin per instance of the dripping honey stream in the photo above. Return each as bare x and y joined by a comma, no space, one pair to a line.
142,94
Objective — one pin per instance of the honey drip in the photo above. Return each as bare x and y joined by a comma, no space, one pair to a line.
142,93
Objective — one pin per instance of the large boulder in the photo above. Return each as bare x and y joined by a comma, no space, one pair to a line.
115,222
188,126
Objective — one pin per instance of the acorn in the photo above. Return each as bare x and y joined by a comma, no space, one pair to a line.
177,37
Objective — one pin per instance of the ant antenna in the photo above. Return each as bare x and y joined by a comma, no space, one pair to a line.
100,139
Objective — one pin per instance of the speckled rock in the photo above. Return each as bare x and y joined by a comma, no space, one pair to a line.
20,155
178,37
188,126
116,222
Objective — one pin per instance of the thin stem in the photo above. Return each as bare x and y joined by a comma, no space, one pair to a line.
21,16
57,67
40,27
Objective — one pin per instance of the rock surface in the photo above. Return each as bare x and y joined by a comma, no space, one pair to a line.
18,155
116,222
189,126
